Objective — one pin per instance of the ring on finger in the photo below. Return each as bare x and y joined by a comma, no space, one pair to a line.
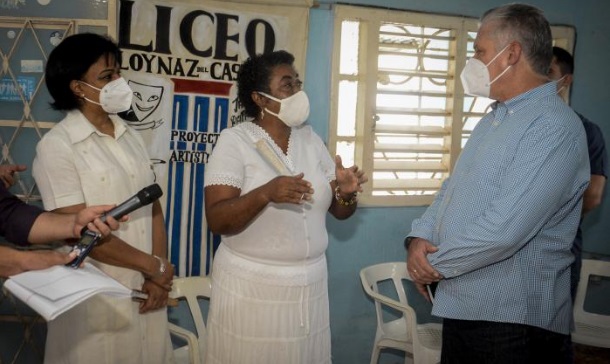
302,196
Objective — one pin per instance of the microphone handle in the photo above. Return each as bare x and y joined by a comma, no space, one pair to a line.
123,209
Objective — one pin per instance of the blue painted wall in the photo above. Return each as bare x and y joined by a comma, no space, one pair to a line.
375,235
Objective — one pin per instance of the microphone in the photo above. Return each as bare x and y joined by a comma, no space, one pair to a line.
146,196
90,238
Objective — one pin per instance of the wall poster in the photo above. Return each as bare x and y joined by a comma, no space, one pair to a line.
181,59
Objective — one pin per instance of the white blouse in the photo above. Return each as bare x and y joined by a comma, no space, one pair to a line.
282,233
75,164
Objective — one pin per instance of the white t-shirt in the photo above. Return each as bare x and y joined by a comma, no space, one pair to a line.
282,233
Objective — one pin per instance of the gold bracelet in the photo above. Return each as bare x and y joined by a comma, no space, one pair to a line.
341,201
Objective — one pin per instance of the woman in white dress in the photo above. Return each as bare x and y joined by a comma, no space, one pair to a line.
268,185
93,157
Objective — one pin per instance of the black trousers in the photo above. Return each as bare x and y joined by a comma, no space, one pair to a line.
484,342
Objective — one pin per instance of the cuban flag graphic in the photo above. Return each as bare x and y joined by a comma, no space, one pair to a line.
200,112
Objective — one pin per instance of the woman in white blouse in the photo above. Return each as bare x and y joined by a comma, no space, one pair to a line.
93,157
268,185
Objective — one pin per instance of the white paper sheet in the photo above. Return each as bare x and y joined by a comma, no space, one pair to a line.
53,291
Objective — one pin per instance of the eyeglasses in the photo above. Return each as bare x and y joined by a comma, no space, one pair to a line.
292,85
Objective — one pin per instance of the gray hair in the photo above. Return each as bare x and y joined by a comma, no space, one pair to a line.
527,25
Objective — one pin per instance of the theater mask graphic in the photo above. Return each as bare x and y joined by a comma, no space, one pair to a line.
146,100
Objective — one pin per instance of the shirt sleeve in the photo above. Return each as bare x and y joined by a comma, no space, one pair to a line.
542,179
16,217
225,165
423,227
55,173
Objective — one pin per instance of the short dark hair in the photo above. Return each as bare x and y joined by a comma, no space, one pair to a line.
527,25
255,74
70,60
565,61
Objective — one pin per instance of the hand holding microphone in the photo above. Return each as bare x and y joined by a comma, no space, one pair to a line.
146,196
89,217
90,238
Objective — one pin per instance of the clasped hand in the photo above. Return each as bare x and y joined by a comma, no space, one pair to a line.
418,266
157,297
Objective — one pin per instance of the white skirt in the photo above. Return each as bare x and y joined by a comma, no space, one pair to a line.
262,313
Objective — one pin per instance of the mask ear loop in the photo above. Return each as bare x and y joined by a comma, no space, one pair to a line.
271,98
500,75
497,55
563,86
493,59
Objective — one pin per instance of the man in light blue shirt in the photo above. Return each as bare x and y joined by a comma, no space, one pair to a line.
497,237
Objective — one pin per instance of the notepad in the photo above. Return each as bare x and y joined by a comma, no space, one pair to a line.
53,291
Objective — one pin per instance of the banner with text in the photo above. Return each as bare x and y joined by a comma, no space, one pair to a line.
181,59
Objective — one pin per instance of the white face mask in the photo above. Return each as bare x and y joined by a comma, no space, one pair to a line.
475,76
115,96
294,110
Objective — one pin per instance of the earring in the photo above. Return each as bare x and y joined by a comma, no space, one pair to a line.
262,114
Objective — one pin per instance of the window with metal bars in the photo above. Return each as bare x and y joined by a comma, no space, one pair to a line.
398,109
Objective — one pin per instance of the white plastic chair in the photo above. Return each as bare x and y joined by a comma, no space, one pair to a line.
190,289
422,341
591,329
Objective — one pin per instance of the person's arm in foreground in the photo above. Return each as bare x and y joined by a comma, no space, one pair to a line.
48,227
115,251
13,261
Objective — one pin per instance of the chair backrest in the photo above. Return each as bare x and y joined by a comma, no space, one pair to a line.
395,271
590,267
192,288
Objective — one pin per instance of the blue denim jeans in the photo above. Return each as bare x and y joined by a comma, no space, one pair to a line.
484,342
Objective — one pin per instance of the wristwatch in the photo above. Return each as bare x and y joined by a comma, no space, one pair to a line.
408,241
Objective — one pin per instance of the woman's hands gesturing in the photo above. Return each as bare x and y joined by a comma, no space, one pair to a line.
289,189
